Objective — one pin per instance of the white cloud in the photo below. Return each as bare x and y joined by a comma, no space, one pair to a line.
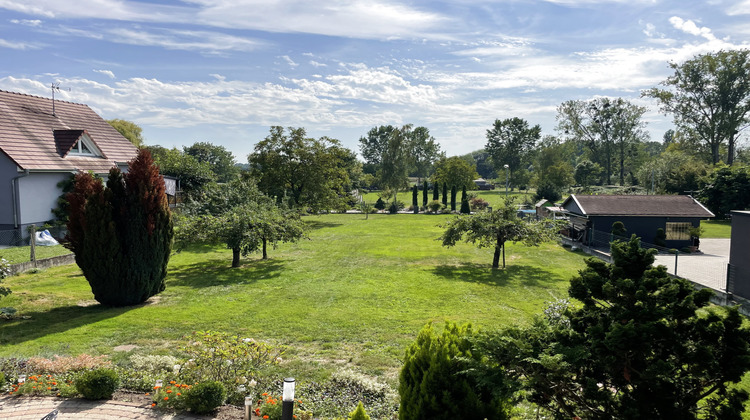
204,41
317,64
742,7
289,61
26,22
16,45
688,26
107,73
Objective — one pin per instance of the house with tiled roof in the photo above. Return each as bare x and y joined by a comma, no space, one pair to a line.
41,145
642,215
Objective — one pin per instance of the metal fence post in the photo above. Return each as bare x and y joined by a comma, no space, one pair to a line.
676,254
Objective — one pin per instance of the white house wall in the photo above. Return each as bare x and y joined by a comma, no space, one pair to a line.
38,194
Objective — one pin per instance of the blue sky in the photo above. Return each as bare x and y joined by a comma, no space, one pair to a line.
224,71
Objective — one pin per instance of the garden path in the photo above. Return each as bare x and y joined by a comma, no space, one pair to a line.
34,408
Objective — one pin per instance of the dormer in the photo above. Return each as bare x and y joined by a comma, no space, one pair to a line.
76,143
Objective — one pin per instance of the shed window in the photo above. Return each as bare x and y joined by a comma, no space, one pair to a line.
678,231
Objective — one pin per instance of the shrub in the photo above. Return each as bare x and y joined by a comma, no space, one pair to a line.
431,383
435,206
4,272
549,191
618,229
270,409
122,235
205,397
478,204
380,204
222,357
359,413
661,237
415,199
97,384
395,207
465,208
154,363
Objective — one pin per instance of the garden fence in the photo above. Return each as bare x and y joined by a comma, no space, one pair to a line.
11,238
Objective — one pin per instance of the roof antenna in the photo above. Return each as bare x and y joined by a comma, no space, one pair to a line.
55,87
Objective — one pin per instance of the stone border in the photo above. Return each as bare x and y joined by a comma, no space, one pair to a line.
43,263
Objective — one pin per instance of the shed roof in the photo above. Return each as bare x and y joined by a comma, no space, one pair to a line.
35,139
636,205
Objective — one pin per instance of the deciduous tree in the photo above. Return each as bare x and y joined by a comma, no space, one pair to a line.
220,159
510,141
709,96
492,229
129,130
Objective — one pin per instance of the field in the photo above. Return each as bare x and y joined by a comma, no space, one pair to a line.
355,294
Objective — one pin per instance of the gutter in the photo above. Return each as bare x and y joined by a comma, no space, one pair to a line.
16,199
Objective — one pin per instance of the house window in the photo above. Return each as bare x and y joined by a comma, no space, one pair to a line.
84,147
678,231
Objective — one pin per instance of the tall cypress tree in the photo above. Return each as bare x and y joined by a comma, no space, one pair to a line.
465,207
122,235
424,194
415,199
445,194
453,198
435,191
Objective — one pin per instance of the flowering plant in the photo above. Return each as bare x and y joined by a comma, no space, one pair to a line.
269,408
171,395
43,385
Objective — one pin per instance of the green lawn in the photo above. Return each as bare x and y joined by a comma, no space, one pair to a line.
21,254
717,228
355,295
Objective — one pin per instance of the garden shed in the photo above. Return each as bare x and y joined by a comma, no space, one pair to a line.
592,216
739,254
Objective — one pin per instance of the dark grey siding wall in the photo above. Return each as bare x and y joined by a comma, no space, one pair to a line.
8,170
643,227
739,253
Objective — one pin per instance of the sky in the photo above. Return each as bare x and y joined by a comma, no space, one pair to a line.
224,71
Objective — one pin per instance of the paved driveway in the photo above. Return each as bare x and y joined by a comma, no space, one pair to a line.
708,268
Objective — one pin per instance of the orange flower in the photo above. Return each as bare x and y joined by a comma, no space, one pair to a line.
179,393
54,383
172,382
166,398
264,394
49,388
148,393
265,417
169,391
153,404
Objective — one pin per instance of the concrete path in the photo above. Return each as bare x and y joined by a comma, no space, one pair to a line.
708,268
34,408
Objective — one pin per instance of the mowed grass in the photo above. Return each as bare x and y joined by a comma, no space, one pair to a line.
21,254
717,228
356,294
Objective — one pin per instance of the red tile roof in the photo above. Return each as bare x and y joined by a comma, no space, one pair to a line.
28,135
639,205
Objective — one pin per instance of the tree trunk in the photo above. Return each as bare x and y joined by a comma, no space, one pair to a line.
496,258
265,254
235,257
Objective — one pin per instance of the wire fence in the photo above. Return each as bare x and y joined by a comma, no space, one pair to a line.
21,237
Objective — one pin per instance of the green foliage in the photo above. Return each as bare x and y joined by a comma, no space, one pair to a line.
226,358
4,272
478,204
193,174
638,334
728,188
380,204
661,237
393,208
445,194
311,173
359,413
122,235
465,208
453,198
425,194
435,206
548,191
494,228
672,172
129,130
238,215
205,397
431,383
510,142
220,159
435,191
587,173
97,384
456,172
415,199
44,386
618,229
709,98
